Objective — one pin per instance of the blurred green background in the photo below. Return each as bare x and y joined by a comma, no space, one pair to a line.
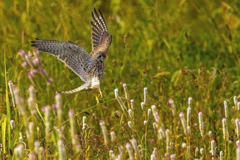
175,48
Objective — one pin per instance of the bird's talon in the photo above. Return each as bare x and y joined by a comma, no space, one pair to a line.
101,95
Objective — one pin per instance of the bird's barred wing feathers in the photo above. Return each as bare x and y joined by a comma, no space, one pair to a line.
101,40
72,54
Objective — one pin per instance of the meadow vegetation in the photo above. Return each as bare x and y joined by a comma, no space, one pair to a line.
162,53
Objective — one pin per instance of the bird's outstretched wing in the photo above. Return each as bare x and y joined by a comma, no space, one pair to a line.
72,54
101,40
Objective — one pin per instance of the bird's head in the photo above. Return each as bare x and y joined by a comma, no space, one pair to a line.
99,55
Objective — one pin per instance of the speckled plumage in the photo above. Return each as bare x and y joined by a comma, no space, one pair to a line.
89,67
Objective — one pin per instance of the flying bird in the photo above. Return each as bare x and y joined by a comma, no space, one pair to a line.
89,67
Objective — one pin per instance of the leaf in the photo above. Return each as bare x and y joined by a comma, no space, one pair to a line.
8,105
39,112
175,77
3,134
167,44
162,74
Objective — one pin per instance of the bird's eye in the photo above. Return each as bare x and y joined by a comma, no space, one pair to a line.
100,56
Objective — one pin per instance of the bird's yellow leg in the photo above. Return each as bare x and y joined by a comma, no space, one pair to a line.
100,93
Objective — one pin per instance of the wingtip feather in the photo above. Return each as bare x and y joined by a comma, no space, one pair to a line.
100,13
95,10
92,16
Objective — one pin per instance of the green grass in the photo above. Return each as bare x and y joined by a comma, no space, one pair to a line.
177,49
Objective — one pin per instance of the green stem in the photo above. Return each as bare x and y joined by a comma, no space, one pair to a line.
100,106
8,108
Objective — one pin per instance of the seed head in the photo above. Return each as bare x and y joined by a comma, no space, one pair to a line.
129,149
12,124
132,104
113,136
129,124
171,102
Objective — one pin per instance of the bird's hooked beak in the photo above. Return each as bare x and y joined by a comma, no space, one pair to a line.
103,57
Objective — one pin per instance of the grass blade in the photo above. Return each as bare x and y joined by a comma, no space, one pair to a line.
8,106
4,123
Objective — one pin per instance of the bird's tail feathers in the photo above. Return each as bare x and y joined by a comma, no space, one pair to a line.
84,86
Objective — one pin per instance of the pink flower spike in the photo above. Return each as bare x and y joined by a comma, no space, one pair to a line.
181,114
30,123
36,62
10,83
27,54
43,70
16,89
47,107
43,108
36,142
54,106
33,112
35,52
21,145
31,155
170,101
21,52
166,155
58,95
102,122
33,71
24,65
50,80
238,151
20,99
70,112
29,74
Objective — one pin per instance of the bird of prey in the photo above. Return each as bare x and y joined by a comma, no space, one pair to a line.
89,67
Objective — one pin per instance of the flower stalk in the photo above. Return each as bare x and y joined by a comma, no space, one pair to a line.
124,108
72,126
104,131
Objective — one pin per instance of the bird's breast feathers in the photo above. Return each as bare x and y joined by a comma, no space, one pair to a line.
95,83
